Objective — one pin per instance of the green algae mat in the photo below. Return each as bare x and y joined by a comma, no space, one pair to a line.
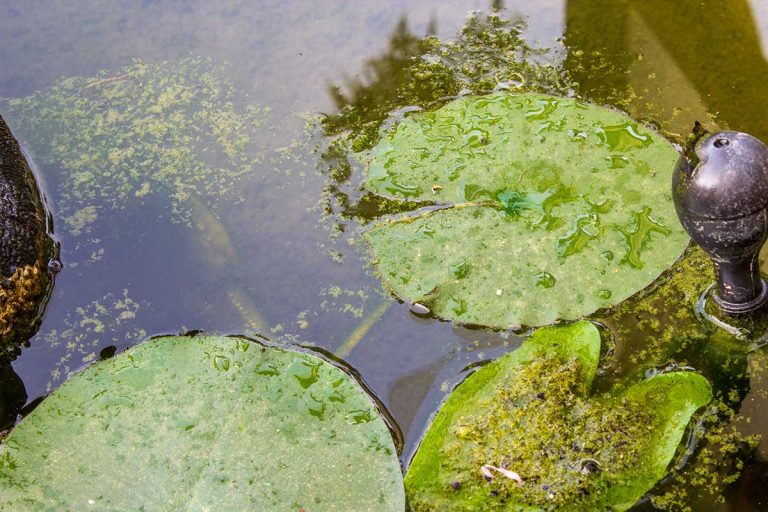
203,423
537,208
525,432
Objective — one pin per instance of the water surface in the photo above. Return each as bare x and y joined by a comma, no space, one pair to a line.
273,253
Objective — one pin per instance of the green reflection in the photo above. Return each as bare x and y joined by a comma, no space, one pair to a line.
664,60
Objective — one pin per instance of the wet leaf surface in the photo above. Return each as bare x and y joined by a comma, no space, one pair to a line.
203,423
547,208
531,416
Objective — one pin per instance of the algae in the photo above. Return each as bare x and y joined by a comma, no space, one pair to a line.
147,130
721,452
533,412
110,320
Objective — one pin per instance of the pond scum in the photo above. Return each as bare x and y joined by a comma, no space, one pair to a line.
176,135
571,438
654,331
149,128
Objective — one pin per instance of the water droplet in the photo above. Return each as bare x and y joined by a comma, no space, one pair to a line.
541,109
476,138
454,174
460,270
221,363
426,230
267,368
337,397
305,372
617,161
637,236
457,305
544,279
359,416
577,135
316,407
393,186
476,192
584,230
607,255
623,137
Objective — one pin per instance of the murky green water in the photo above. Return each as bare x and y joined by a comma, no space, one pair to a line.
196,156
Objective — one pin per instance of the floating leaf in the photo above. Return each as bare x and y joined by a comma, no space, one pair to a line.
204,423
551,209
530,414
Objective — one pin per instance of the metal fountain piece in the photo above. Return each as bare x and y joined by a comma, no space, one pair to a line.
720,190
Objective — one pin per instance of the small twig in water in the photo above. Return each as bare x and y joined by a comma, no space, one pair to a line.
106,80
359,333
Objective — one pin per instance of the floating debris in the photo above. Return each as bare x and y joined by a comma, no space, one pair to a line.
488,472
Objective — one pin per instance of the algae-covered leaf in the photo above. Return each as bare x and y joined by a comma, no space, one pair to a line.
531,412
551,209
203,423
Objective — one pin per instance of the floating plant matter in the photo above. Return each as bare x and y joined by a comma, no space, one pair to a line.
526,433
546,208
176,130
203,423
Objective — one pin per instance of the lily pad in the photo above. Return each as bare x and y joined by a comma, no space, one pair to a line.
547,208
203,423
531,415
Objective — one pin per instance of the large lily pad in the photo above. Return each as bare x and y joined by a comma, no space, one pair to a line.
530,412
551,209
204,423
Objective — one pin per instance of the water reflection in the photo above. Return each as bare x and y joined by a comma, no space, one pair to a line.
688,60
640,63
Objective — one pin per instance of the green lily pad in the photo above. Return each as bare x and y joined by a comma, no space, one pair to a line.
203,423
531,412
548,208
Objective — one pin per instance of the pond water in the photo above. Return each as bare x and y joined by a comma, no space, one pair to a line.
234,210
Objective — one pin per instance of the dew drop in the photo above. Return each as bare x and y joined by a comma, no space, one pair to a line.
221,363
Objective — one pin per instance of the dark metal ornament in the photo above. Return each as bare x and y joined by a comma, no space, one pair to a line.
720,190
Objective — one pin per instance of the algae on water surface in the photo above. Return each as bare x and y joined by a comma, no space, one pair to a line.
177,130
